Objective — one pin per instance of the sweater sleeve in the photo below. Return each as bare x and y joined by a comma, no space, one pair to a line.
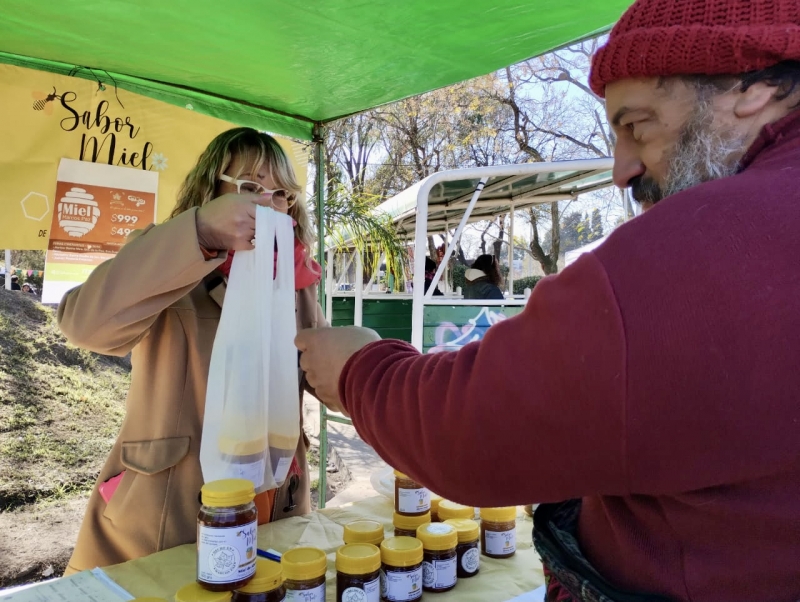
539,402
115,307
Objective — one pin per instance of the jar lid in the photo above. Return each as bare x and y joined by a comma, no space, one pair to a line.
269,575
435,500
194,593
228,492
499,515
401,551
301,564
358,559
401,475
236,447
363,531
467,529
448,509
410,523
149,599
437,536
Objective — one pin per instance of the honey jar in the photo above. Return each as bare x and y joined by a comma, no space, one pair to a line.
448,510
194,593
468,549
499,532
435,499
410,498
401,569
226,534
265,586
406,526
363,531
439,562
304,574
358,569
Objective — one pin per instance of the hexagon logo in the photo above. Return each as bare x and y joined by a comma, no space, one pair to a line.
35,206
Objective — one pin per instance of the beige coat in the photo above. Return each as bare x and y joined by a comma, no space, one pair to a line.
153,300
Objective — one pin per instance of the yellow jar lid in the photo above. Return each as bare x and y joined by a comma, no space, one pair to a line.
194,593
435,499
235,447
363,531
467,529
499,515
401,551
228,492
149,599
438,536
402,475
301,564
410,523
448,509
269,575
358,559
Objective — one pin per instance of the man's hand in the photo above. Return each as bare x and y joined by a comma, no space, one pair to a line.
229,222
325,351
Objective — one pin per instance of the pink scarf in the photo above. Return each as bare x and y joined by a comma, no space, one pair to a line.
304,276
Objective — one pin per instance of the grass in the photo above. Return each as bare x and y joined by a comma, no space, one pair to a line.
60,407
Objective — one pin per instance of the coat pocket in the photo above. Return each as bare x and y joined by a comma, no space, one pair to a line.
142,487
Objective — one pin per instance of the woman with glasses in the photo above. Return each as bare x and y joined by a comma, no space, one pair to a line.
160,299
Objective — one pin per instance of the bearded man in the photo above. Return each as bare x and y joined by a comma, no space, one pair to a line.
650,391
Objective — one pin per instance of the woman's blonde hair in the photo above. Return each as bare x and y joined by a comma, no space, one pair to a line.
200,186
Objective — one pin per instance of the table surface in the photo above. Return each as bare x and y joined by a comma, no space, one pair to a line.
163,573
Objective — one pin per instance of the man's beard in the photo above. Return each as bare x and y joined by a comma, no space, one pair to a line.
703,153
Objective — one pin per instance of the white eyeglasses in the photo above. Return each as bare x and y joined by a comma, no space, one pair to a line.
279,196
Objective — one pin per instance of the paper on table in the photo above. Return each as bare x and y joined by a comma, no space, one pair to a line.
536,595
87,586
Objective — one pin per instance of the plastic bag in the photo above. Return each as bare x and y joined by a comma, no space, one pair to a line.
251,424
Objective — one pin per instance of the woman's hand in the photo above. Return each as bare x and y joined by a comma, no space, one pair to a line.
228,223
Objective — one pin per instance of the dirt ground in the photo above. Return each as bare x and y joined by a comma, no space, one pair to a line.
38,538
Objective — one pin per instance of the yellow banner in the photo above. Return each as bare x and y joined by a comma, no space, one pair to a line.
45,117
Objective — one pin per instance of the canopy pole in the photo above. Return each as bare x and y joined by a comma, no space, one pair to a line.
456,237
329,282
511,252
319,161
358,311
8,269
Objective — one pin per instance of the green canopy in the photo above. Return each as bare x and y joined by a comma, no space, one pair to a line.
283,65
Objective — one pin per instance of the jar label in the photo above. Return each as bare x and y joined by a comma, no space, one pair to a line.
306,595
226,554
499,543
252,471
370,593
399,586
413,500
470,561
439,574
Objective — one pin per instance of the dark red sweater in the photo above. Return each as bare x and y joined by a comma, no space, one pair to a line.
658,378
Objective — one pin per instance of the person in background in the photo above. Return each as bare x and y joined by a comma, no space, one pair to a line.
160,298
430,272
647,395
483,279
15,283
27,288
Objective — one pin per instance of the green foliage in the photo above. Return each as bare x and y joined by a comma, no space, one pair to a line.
523,283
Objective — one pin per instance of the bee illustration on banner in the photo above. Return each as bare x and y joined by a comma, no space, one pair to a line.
44,102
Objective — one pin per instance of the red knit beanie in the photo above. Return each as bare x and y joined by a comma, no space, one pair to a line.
659,38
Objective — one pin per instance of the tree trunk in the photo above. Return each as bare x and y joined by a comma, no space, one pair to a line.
432,249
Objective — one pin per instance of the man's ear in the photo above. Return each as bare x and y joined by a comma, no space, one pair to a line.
753,100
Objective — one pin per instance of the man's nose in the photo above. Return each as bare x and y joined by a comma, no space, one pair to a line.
627,164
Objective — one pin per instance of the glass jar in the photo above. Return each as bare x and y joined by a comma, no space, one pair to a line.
304,574
265,586
499,532
439,562
468,553
226,534
401,569
435,500
410,498
363,531
448,510
406,526
194,593
246,459
358,573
